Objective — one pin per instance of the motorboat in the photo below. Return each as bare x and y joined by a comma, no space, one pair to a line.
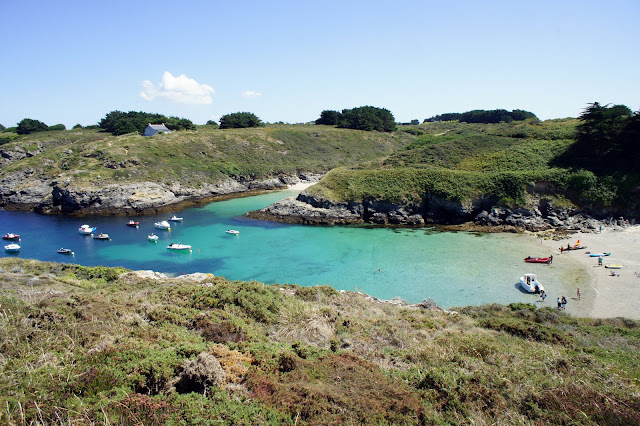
162,225
599,254
530,283
86,230
12,248
153,238
613,266
530,259
232,231
179,246
11,236
133,223
175,218
65,251
101,236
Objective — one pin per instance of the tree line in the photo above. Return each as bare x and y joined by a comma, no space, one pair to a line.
362,118
484,116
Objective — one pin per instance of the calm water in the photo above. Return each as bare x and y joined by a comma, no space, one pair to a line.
453,269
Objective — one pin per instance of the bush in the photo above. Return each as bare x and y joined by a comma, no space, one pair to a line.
28,125
238,120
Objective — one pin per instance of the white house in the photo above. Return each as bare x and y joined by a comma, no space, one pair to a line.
152,129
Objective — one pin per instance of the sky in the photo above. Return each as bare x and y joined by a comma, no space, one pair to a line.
72,62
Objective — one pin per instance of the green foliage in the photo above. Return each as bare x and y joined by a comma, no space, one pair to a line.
329,118
57,127
77,126
368,118
29,125
213,123
2,128
10,130
238,120
482,116
120,123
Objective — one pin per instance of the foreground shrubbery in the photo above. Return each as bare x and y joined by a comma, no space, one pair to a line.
79,345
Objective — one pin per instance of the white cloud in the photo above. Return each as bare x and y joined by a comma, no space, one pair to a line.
251,94
180,89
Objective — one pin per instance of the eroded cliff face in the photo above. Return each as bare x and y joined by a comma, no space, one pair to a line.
28,190
540,216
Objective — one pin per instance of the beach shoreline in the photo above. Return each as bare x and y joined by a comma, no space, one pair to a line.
603,295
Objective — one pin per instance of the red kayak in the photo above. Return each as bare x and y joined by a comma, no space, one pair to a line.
538,259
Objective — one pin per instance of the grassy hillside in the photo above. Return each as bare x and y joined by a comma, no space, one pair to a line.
509,162
78,345
194,157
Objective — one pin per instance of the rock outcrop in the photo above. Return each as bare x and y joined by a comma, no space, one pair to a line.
540,216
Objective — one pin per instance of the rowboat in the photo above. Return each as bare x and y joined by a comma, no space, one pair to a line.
538,259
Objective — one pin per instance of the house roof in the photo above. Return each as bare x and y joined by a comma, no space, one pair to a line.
158,127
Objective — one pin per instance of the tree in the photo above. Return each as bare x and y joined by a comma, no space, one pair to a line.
329,118
239,120
119,123
57,127
28,125
77,126
213,124
602,127
415,122
368,118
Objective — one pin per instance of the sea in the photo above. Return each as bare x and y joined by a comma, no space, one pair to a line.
453,269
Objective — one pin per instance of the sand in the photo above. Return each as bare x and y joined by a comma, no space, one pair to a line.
603,295
300,186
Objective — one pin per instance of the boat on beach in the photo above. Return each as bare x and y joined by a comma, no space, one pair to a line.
133,223
613,266
65,251
86,230
530,283
179,246
599,254
232,232
11,236
162,225
546,260
12,248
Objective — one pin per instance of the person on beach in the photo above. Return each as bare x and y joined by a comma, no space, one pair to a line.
543,295
564,303
578,293
600,261
550,259
559,303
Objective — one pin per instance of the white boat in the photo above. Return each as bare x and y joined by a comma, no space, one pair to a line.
86,229
153,237
179,246
101,237
175,218
232,231
162,225
613,266
12,247
530,283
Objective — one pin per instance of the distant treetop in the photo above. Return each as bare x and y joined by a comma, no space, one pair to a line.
238,120
484,116
120,123
361,118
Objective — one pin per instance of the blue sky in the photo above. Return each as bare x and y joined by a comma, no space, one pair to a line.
74,61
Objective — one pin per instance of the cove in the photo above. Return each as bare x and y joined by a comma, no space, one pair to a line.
451,268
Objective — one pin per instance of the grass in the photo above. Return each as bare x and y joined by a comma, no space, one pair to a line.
84,345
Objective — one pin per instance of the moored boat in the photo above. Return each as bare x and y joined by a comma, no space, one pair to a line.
153,238
65,251
101,236
530,283
175,218
530,259
162,225
133,223
86,229
12,248
232,232
11,236
179,246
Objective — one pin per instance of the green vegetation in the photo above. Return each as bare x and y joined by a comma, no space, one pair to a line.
120,123
85,345
240,120
29,125
508,163
206,155
362,118
482,116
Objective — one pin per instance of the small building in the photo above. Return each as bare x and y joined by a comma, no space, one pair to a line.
152,129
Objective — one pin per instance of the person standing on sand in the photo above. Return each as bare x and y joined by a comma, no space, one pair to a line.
564,303
559,303
578,293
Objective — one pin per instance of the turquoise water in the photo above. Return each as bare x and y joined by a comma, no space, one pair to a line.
453,269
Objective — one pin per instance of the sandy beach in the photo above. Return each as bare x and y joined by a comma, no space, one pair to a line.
301,186
603,295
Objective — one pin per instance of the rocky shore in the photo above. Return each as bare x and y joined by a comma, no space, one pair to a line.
306,209
28,191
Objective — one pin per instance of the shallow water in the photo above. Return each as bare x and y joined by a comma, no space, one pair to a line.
452,268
